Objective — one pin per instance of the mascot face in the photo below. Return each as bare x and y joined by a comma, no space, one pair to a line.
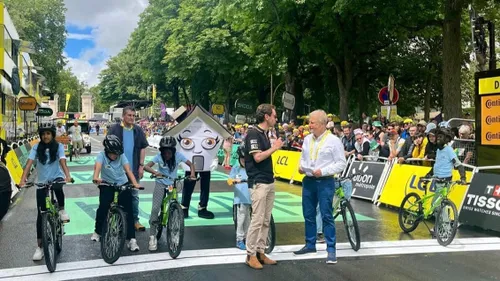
199,143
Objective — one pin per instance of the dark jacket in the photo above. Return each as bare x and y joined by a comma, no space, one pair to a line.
140,142
407,150
5,180
430,150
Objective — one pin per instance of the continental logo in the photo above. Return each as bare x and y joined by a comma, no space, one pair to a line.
492,119
492,136
492,103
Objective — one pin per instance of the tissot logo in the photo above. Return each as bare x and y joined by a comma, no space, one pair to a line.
492,103
492,136
492,119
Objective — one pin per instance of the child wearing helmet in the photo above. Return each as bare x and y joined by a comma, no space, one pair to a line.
242,201
112,166
168,159
51,166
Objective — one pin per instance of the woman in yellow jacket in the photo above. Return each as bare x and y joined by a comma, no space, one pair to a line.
420,143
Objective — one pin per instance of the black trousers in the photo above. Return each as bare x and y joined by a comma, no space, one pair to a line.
187,191
41,194
4,202
106,195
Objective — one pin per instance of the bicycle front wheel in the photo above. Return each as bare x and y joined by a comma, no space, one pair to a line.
446,223
271,237
175,229
59,233
351,225
410,212
49,241
113,235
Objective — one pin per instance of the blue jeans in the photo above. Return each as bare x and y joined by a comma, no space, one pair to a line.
320,191
135,204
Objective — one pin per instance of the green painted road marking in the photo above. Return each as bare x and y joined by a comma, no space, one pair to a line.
287,209
85,177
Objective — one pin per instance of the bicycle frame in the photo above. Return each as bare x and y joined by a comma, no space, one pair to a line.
442,194
171,196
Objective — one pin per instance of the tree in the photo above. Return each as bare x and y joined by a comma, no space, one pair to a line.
42,22
69,84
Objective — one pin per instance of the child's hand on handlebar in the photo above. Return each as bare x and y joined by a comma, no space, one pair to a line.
137,186
97,181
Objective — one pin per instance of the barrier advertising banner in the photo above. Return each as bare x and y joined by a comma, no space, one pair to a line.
14,167
481,206
286,165
366,176
404,179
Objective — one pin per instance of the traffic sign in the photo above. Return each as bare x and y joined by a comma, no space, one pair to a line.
288,101
384,96
27,103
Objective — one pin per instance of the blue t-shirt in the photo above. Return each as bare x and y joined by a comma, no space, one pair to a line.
112,171
241,192
162,168
443,167
49,171
128,146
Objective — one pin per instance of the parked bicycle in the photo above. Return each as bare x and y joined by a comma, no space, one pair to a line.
271,236
52,225
342,206
171,216
114,231
414,210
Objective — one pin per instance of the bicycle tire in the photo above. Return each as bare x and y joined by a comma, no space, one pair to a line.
454,225
356,240
107,256
159,229
48,241
271,237
175,214
402,212
60,232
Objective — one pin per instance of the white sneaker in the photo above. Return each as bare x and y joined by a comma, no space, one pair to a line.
38,256
132,245
64,216
95,237
153,243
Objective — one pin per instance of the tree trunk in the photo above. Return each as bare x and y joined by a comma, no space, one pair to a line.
263,94
427,100
344,81
452,59
175,94
362,99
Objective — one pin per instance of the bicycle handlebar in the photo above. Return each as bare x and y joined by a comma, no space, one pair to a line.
122,186
44,185
162,176
439,180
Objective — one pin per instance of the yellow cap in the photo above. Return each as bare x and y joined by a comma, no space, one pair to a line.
305,133
306,127
295,130
246,125
344,123
408,121
330,115
374,116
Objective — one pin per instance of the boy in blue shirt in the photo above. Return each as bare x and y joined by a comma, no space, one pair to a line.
50,166
113,167
168,160
238,177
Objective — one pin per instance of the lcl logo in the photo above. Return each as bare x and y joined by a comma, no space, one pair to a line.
416,184
282,160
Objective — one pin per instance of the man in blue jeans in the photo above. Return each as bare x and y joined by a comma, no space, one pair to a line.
322,157
134,146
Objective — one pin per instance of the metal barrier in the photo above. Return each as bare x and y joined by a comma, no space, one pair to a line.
462,148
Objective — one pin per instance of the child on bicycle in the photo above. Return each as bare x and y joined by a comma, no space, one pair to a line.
50,166
113,167
168,160
242,201
446,160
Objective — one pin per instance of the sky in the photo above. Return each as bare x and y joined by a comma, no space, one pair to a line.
98,30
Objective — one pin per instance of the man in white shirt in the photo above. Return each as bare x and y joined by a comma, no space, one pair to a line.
76,136
60,129
322,157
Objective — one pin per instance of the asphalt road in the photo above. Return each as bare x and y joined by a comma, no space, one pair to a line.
209,251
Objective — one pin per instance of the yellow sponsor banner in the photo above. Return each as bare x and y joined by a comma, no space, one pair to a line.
14,166
404,179
489,85
286,165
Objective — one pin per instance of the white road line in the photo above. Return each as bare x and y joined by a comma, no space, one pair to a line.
161,261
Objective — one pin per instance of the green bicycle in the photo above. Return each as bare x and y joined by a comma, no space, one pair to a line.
114,231
411,211
341,205
52,225
171,216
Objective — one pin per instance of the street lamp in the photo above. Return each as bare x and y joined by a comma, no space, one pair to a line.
274,93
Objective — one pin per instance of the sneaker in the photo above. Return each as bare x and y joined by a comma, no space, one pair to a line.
320,238
153,243
332,258
64,216
304,251
186,212
132,245
205,214
95,237
38,256
139,227
240,245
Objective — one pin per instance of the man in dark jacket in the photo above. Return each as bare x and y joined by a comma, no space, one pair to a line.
406,151
134,146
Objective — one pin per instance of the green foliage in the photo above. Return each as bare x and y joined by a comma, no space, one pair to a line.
69,84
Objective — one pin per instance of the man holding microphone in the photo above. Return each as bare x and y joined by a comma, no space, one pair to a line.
322,157
259,167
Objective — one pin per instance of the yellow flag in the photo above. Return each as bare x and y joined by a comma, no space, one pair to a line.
68,96
154,92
